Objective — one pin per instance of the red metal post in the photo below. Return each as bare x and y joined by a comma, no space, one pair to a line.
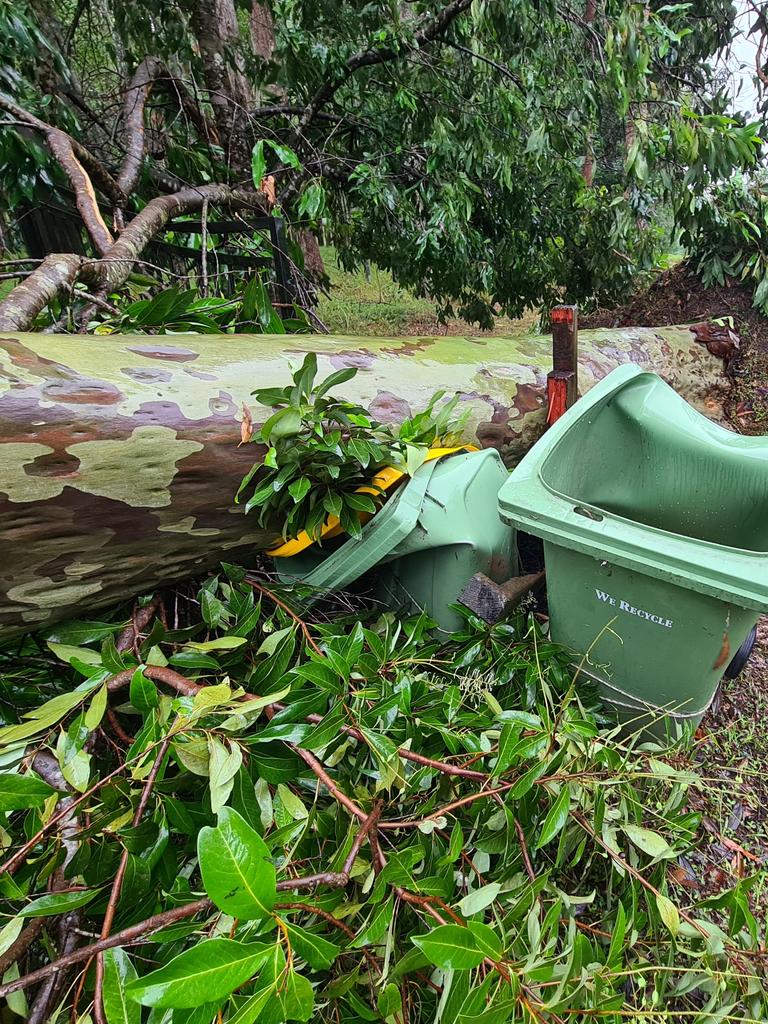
563,381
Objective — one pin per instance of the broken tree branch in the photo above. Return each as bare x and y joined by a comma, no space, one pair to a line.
61,146
112,271
20,307
94,168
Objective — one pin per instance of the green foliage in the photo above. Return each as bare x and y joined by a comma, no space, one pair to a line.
725,233
322,449
419,825
455,163
175,311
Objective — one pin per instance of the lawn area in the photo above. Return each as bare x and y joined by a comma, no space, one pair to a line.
377,306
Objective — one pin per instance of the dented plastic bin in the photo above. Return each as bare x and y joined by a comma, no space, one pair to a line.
655,529
435,532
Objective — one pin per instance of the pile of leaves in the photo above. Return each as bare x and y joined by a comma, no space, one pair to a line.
256,818
321,450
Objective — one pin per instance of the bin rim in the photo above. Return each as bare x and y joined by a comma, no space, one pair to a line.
531,504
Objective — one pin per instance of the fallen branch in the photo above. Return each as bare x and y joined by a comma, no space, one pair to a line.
126,937
20,307
95,169
112,271
61,146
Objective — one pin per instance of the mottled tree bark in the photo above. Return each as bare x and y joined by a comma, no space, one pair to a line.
120,456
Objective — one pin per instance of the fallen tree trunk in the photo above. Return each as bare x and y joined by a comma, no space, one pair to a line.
119,456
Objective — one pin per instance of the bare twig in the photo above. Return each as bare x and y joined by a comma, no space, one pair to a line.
287,609
117,885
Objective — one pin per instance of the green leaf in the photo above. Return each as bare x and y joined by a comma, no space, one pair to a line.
221,643
96,709
76,769
649,842
332,503
238,874
285,154
478,900
376,927
81,632
389,1001
143,693
258,164
339,377
271,642
58,903
510,733
43,717
18,792
317,951
207,972
450,947
284,423
556,818
299,489
669,913
292,803
223,765
253,1007
65,652
487,940
118,973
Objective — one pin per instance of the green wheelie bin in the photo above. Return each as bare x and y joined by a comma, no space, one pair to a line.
655,530
438,529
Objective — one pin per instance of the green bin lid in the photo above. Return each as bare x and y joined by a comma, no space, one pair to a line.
633,475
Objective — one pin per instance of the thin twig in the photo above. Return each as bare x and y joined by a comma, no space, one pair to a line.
204,247
288,610
447,808
117,885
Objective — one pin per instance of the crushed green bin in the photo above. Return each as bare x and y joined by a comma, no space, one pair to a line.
435,532
655,529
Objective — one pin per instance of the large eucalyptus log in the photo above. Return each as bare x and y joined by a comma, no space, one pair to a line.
119,456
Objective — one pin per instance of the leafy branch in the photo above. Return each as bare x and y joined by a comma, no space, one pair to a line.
322,452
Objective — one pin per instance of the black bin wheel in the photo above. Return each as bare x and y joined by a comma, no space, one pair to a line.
741,657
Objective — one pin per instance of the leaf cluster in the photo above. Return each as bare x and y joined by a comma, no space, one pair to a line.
725,233
321,450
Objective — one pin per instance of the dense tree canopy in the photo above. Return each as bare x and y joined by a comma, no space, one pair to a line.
492,154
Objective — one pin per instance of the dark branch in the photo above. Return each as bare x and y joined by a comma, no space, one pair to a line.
429,31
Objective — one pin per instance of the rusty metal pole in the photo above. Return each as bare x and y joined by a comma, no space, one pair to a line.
563,381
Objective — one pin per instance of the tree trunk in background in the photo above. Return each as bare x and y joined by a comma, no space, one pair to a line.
262,27
217,31
314,267
120,456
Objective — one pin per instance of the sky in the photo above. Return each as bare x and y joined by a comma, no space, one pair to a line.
741,61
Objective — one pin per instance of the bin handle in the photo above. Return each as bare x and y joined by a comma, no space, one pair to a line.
588,513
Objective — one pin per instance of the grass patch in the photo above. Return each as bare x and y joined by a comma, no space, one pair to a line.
375,305
368,304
